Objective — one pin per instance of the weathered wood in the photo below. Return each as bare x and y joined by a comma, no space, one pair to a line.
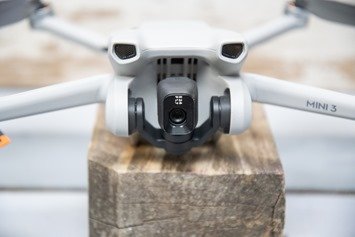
232,188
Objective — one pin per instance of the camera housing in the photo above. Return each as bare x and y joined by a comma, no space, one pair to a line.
177,107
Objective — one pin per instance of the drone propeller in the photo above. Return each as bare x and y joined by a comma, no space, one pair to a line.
12,11
329,10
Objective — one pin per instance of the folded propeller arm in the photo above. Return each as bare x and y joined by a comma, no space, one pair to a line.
42,17
95,90
296,16
295,96
293,18
56,97
45,20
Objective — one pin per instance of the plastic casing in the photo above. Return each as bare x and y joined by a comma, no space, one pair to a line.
137,76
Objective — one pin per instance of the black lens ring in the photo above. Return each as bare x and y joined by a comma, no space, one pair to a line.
177,116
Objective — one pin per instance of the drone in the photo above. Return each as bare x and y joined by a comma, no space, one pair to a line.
177,83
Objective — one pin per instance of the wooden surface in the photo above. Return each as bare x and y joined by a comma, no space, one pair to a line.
232,188
56,214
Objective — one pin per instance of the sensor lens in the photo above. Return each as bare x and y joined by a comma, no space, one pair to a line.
177,116
125,51
232,51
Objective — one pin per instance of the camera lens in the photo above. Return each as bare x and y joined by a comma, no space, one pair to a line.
177,116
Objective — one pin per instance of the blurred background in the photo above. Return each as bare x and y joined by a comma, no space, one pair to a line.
43,173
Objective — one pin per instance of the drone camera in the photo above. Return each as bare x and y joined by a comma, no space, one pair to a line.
125,51
233,50
177,116
177,107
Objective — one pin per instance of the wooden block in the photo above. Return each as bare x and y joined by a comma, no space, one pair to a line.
234,187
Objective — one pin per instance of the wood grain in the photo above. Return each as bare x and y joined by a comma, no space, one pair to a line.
234,187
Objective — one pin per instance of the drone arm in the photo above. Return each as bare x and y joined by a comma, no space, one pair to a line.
56,97
44,19
291,95
293,18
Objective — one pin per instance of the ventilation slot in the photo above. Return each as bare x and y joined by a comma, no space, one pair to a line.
176,67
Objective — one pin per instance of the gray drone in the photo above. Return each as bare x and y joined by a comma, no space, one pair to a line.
176,83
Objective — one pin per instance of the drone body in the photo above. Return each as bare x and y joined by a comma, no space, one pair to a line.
177,83
166,56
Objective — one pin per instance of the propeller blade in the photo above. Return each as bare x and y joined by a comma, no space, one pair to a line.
12,11
329,10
